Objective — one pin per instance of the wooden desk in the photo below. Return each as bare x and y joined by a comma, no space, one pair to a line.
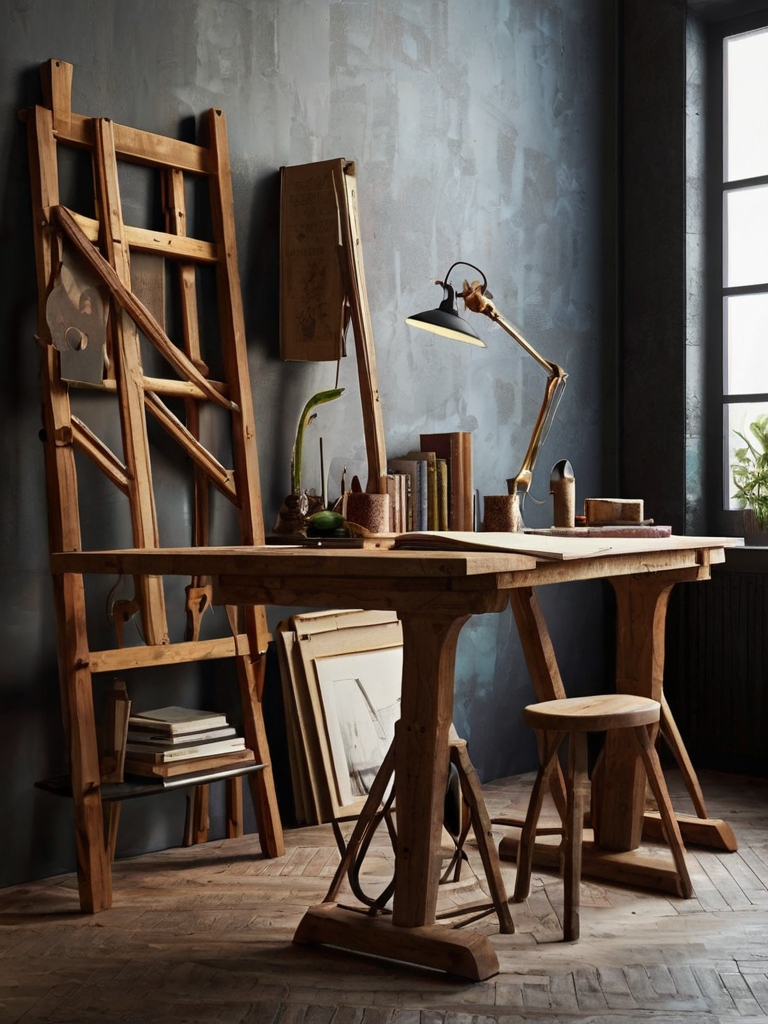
434,593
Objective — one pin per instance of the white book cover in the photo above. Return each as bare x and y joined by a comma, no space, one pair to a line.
162,740
175,719
140,751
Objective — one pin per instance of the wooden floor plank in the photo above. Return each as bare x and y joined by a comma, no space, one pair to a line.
613,984
758,986
741,993
714,990
203,934
589,993
662,981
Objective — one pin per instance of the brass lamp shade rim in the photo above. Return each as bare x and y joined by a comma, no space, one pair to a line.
447,325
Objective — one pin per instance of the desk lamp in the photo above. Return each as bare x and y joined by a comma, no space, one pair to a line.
445,321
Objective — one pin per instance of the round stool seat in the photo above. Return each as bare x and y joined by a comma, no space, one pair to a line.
592,714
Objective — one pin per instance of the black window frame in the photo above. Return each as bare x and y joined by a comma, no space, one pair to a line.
717,492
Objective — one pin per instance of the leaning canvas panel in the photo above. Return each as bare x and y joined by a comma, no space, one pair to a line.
342,697
360,694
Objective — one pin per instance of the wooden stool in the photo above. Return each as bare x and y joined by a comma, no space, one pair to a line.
576,717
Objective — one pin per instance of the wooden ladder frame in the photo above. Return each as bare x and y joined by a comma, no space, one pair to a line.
106,244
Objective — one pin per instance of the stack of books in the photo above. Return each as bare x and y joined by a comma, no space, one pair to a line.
171,742
432,489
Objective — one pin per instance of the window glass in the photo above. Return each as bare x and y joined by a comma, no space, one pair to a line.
745,319
746,236
745,77
739,310
738,419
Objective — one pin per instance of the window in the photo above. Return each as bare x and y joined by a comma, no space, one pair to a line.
742,188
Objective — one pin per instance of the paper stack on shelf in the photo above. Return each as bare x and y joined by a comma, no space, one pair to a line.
173,741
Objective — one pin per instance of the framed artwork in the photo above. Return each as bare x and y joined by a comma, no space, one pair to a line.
360,694
341,674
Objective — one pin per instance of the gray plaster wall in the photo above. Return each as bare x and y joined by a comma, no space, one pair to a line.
481,132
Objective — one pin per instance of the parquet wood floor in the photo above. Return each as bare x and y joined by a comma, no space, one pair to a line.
204,935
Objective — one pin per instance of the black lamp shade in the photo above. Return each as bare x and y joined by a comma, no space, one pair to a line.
446,323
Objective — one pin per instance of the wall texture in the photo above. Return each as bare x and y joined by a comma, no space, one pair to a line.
480,134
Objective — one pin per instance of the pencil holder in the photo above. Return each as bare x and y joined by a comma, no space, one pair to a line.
501,513
370,511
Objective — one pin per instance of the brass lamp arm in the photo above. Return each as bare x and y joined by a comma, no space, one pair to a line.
477,300
552,395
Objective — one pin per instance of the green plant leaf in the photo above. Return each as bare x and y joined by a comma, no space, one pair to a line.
319,399
750,470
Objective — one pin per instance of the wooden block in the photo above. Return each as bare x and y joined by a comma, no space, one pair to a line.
613,510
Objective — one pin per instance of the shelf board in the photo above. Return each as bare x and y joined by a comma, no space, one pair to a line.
135,786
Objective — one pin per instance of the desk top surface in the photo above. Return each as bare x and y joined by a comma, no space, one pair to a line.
524,555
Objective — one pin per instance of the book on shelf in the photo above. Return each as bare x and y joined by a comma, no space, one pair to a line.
162,740
409,468
175,769
456,448
150,753
428,498
421,499
396,502
176,721
442,493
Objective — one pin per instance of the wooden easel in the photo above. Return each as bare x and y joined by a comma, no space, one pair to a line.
322,286
106,245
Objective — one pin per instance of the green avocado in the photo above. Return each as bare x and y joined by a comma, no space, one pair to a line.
326,520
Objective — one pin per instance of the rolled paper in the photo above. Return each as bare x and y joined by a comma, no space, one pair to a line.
370,511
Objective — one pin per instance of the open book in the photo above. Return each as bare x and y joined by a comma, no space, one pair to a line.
557,548
553,547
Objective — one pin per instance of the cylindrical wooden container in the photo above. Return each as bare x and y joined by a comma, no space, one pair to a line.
501,513
564,498
370,511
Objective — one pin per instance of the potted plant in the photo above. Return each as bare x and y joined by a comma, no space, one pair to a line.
750,477
299,506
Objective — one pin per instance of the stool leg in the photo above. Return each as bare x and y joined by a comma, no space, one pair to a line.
674,741
550,745
666,811
578,794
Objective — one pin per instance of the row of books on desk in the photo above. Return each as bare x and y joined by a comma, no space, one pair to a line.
431,489
174,741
